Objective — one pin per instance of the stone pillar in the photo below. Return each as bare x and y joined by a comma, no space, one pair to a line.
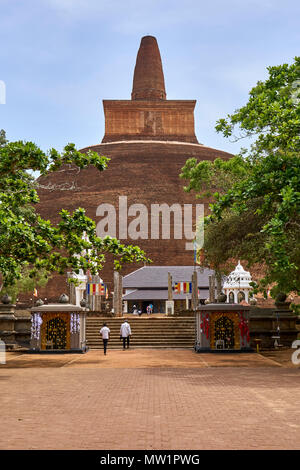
98,303
212,292
219,283
120,294
72,293
7,325
194,290
118,291
170,291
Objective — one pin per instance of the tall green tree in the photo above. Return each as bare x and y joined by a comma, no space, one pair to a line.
3,140
255,210
271,115
31,244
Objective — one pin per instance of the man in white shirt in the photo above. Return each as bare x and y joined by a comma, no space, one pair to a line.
105,331
125,333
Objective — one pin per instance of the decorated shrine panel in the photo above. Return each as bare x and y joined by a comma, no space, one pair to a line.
55,331
224,330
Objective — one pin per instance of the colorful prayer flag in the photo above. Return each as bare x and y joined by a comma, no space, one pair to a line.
183,287
93,288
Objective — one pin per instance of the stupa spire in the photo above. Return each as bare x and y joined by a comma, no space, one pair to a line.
148,80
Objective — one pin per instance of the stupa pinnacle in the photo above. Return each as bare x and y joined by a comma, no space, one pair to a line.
148,80
149,115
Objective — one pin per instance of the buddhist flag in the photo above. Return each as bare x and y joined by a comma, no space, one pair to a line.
183,287
105,293
89,289
188,287
35,292
93,288
177,287
104,290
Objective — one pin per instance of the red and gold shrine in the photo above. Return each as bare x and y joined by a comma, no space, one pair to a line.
223,327
58,328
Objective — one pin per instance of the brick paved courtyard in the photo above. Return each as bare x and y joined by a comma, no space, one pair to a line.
149,400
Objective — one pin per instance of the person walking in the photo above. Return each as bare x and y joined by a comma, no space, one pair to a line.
105,332
125,333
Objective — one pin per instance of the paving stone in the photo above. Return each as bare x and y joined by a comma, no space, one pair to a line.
96,403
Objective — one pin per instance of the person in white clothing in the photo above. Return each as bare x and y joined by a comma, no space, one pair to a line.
125,333
105,332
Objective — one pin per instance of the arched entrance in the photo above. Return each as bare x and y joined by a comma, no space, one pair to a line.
224,333
56,334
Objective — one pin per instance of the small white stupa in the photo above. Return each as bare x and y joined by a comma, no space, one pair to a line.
237,285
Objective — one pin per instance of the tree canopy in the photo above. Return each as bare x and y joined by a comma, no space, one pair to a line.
30,243
255,210
271,114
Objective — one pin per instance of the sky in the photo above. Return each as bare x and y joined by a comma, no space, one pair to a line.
60,58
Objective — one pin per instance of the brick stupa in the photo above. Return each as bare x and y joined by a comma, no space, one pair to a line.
148,140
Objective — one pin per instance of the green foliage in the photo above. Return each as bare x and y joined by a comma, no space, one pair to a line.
27,240
3,140
271,114
255,214
207,178
27,283
296,309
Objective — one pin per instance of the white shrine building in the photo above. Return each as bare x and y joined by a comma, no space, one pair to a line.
237,286
78,290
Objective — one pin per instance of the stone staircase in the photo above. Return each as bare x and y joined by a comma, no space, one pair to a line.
147,333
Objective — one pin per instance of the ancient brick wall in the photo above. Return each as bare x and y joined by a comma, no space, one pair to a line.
145,172
149,120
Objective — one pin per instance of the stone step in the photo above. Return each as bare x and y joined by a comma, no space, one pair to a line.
145,340
156,333
152,340
146,347
150,344
146,330
144,324
146,319
150,318
135,332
